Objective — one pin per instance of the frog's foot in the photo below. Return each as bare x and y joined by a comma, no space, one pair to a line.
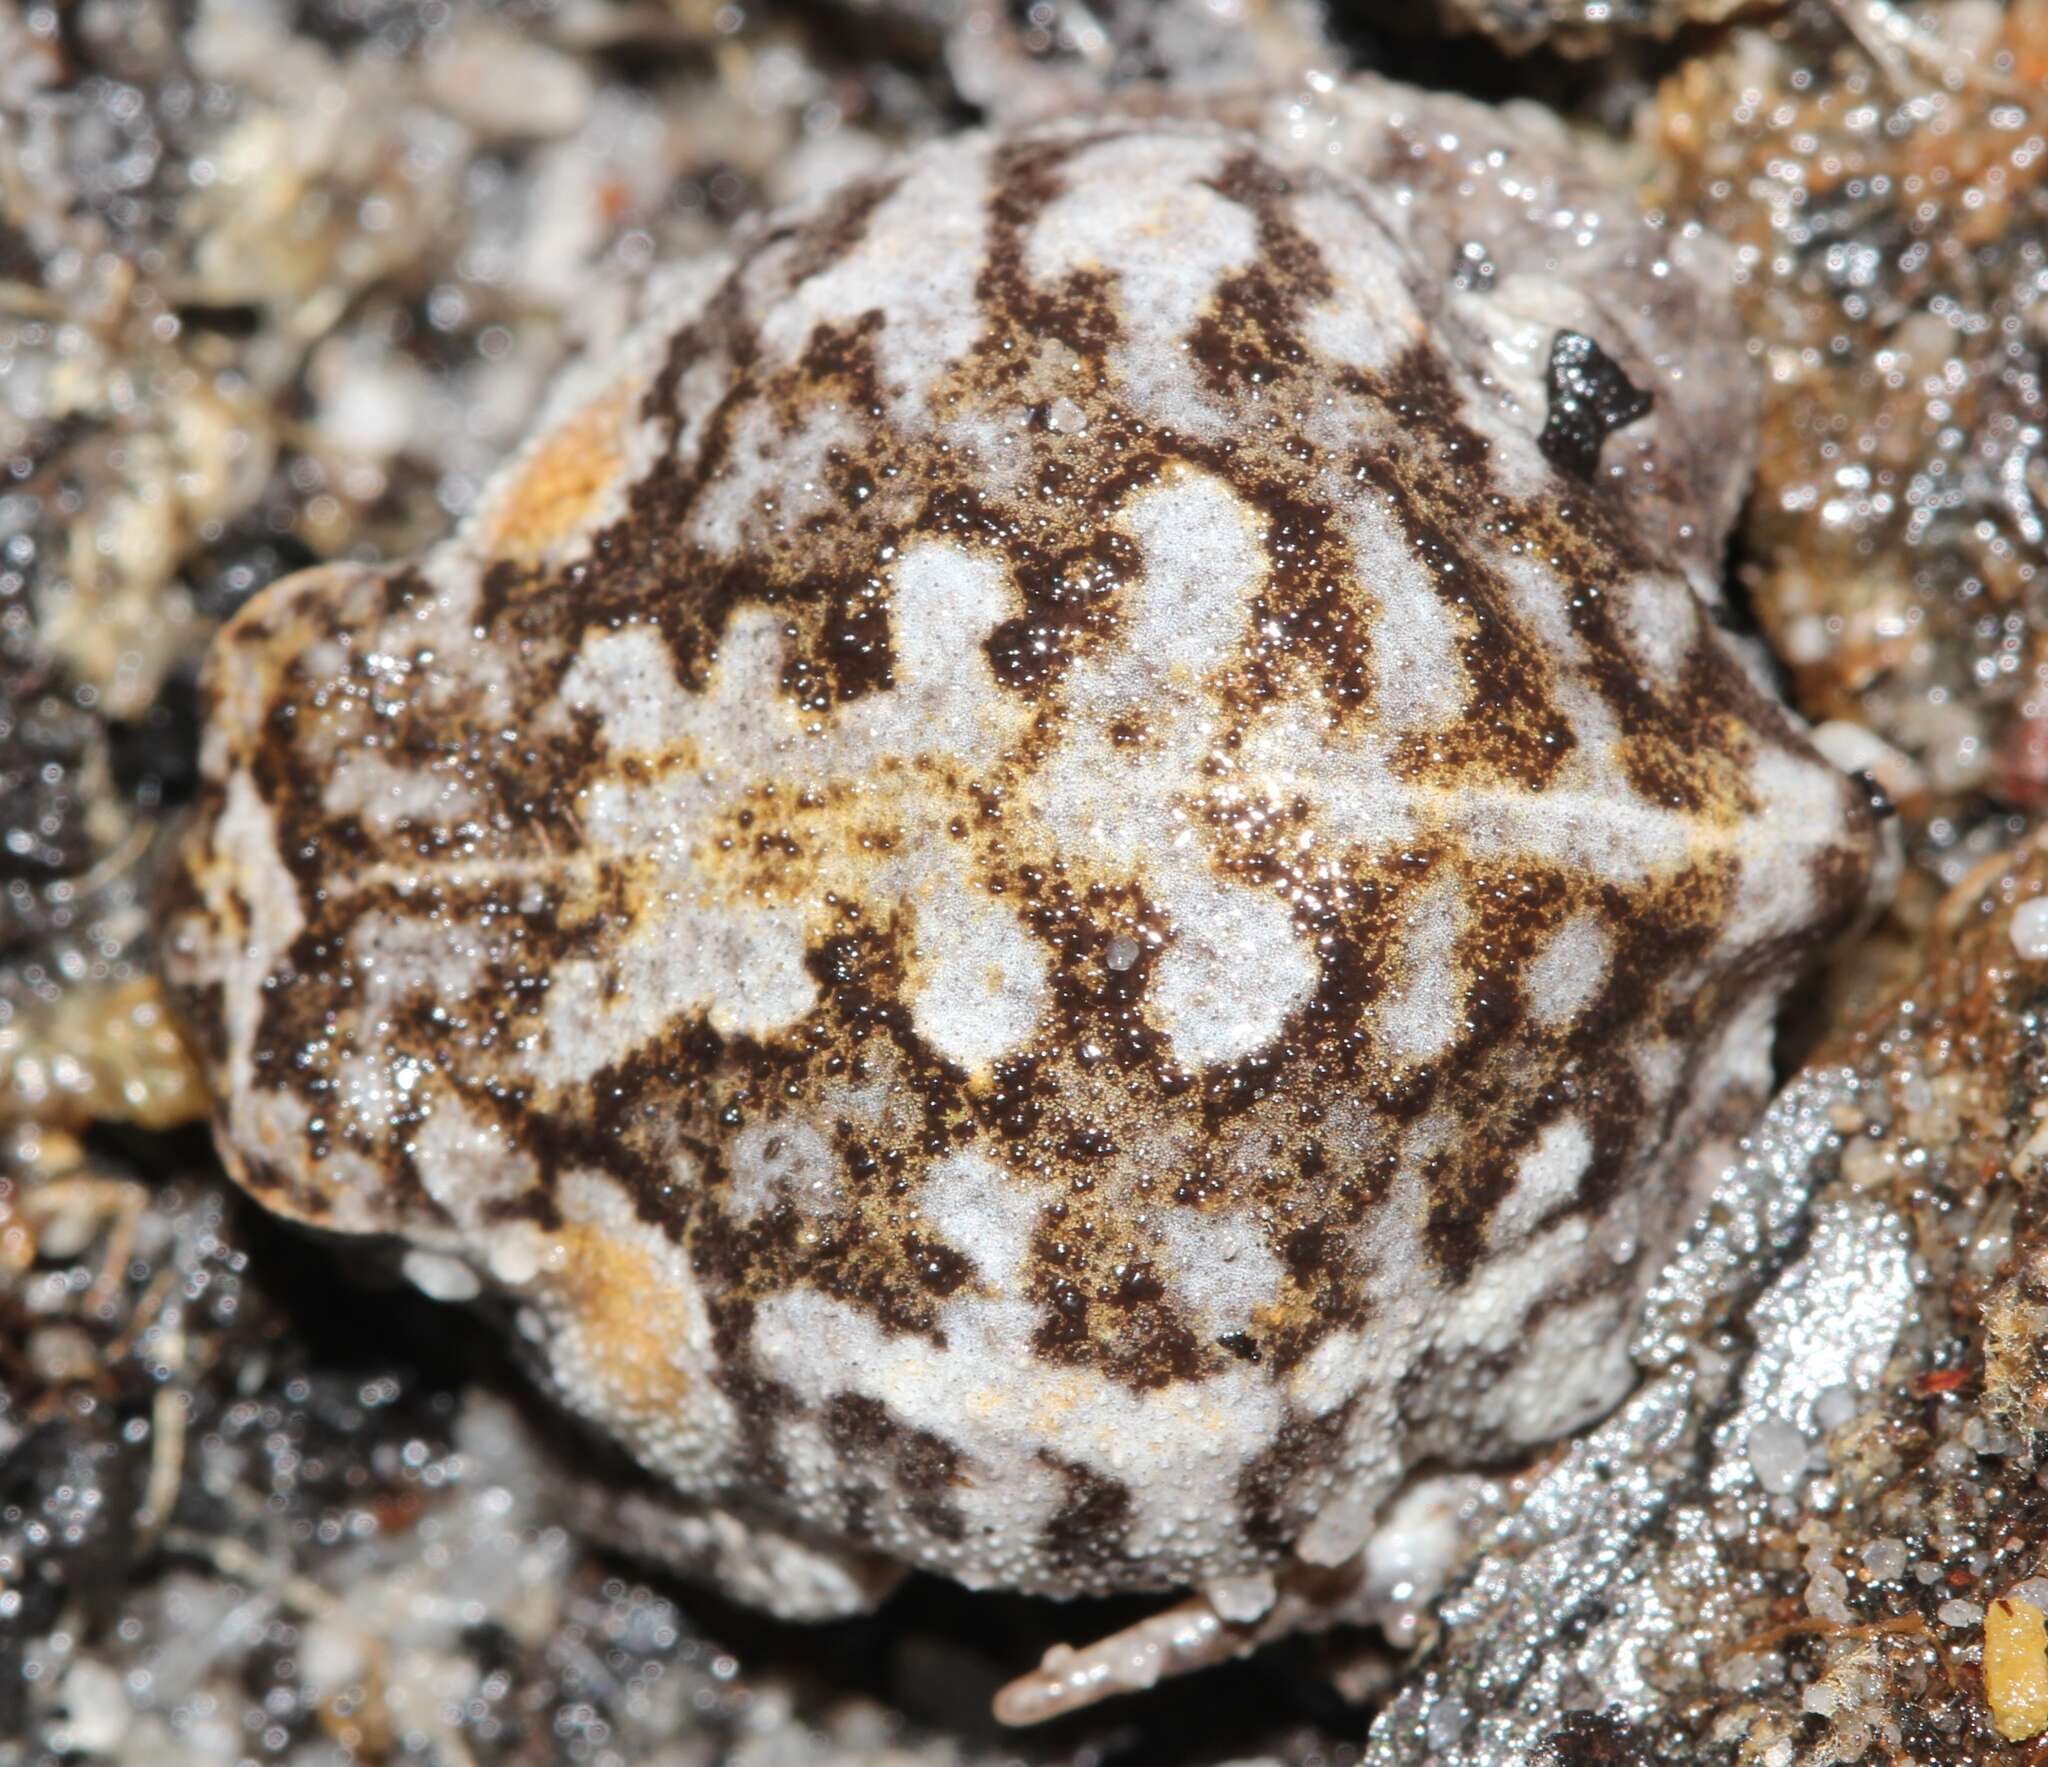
1226,1619
745,1559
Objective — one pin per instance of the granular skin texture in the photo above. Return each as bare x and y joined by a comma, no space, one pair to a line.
1040,889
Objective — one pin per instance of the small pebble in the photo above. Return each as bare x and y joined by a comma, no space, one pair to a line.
60,1354
1241,1600
1067,418
2030,929
439,1277
98,1708
1836,1407
1778,1451
1447,1723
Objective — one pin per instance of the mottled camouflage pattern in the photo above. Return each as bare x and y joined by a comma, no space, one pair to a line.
1071,870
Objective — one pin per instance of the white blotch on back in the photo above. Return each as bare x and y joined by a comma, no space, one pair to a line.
1659,1063
1140,208
628,678
977,1209
1235,970
1236,966
916,264
1595,828
467,1162
1541,600
1204,558
1369,316
1220,1266
979,979
740,963
1545,1177
1291,753
1799,813
1418,677
1486,1315
773,476
248,830
1658,618
943,601
1420,1014
365,784
378,1081
355,1186
1568,971
1518,318
1329,1374
699,395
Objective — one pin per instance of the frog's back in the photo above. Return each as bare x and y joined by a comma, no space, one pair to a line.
1065,874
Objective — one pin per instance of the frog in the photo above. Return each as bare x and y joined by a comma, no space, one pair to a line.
1081,866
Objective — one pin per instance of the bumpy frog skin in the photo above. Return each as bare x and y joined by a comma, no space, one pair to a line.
1073,869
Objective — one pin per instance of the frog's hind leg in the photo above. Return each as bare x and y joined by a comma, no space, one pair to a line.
1218,1623
746,1559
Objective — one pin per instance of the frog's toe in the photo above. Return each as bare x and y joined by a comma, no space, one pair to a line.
1226,1619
